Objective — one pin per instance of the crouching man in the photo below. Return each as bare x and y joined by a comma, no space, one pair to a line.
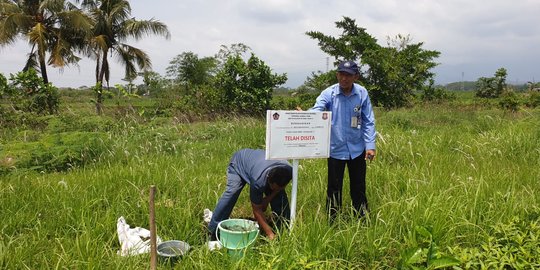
267,180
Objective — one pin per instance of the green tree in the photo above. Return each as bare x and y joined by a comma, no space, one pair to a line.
188,70
130,85
392,74
492,87
30,93
236,49
500,79
350,45
153,82
318,81
247,86
398,71
56,27
113,26
306,93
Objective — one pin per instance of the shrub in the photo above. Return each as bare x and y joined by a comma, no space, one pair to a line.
20,120
509,101
298,99
70,122
509,246
58,152
6,118
533,99
29,93
280,103
426,254
3,85
430,93
492,87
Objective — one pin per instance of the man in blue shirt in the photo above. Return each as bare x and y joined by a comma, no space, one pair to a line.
352,139
267,180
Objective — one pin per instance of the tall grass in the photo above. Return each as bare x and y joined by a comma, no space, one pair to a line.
459,171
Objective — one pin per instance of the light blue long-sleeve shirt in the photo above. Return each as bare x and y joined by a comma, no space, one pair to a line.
347,142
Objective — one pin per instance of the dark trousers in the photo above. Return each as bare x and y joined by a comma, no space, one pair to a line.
357,179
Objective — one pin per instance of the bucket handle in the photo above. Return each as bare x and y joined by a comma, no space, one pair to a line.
217,236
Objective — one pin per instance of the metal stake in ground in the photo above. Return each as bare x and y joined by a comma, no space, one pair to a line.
153,249
294,191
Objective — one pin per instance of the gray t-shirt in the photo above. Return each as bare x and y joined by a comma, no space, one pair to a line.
252,166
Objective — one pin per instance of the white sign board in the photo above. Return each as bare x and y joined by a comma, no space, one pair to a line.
297,134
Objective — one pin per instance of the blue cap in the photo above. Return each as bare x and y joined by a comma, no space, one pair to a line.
349,67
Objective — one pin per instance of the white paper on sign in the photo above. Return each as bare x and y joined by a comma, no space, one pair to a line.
297,134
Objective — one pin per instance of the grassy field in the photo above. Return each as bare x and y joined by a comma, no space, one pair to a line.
450,181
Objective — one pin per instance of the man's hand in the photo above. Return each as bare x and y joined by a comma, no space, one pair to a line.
259,209
263,224
370,155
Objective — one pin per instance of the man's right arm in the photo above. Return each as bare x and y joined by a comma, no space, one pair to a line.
322,101
259,216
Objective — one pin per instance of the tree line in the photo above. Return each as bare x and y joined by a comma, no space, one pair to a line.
234,79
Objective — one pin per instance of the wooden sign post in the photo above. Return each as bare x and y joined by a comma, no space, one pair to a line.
153,248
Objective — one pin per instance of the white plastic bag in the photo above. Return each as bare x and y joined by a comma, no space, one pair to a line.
207,215
213,245
133,241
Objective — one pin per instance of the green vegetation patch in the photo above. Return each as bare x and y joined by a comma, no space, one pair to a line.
53,152
453,187
512,245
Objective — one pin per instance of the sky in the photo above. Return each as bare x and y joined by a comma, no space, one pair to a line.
474,37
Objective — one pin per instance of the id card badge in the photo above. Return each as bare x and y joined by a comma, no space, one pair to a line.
354,122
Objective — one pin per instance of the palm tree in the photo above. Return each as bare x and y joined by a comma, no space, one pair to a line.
113,25
54,26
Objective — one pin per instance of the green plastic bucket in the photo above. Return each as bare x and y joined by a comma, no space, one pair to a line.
237,234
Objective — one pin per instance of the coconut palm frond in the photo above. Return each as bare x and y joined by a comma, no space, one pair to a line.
31,62
127,52
139,29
